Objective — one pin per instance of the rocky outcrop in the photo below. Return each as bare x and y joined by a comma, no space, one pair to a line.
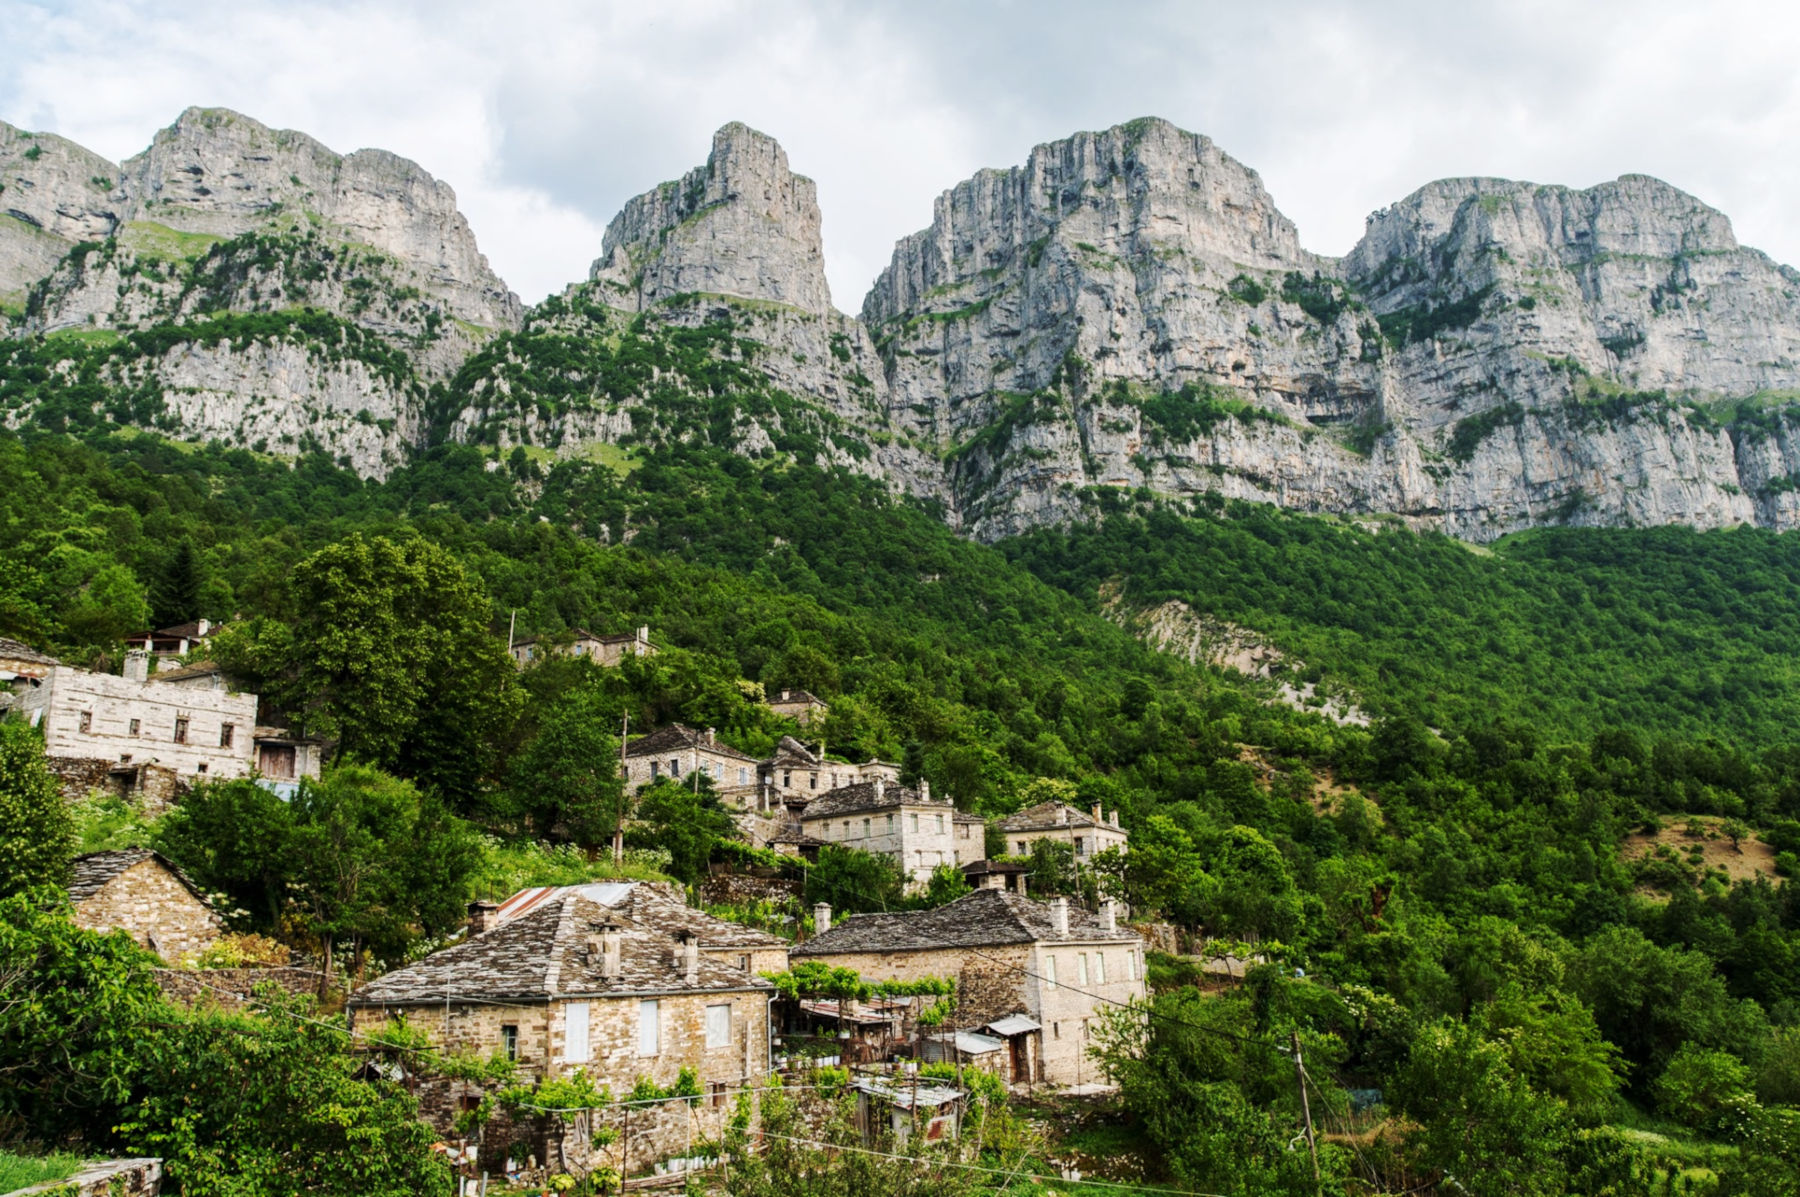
743,225
53,196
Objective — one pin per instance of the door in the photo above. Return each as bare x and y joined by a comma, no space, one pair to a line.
276,761
1021,1058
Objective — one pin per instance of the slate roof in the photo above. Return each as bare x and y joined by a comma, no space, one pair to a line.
985,918
679,737
543,954
789,751
794,697
649,903
1042,817
185,672
849,799
18,650
89,874
581,636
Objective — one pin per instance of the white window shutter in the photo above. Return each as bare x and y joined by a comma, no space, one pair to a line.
575,1033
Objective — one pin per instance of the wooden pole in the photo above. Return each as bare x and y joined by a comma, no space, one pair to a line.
624,779
1312,1144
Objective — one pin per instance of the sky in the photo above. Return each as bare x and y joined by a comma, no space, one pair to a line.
545,117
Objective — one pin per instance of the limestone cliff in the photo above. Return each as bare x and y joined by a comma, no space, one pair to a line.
53,196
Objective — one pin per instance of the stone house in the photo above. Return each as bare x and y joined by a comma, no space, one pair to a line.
1088,834
570,983
602,650
678,751
917,831
799,705
21,661
139,892
1036,974
796,774
166,645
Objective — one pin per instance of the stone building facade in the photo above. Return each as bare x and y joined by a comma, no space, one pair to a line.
602,650
917,831
1089,833
798,705
1036,973
139,892
677,752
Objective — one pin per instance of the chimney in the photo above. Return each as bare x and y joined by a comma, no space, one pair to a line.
205,626
1062,814
137,665
924,790
1109,919
713,732
1059,915
821,918
644,636
784,696
483,916
691,958
1115,818
1098,821
880,788
994,881
604,950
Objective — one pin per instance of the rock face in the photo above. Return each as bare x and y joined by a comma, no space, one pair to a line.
53,196
743,225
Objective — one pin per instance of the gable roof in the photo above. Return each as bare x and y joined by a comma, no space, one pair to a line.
1043,817
542,954
794,698
651,903
18,650
90,874
985,918
868,796
789,751
679,737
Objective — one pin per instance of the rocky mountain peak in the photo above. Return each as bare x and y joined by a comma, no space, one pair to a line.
53,195
743,225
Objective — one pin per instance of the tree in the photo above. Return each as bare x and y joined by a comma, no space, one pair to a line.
36,835
855,882
235,838
566,782
945,885
178,592
1256,895
1699,1086
378,863
390,654
685,820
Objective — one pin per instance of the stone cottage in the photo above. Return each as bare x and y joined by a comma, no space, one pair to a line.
571,983
139,892
1035,974
165,646
916,830
677,751
798,705
798,773
601,650
1088,833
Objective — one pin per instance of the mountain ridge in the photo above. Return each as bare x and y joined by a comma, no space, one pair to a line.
1126,309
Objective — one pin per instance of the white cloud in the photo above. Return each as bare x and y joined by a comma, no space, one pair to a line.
545,118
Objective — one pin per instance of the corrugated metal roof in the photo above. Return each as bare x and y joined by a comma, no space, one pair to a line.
1014,1024
908,1095
969,1043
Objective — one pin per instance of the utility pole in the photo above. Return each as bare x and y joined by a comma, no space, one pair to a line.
624,779
1312,1144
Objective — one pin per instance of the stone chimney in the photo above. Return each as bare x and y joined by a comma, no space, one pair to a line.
137,665
1109,918
1062,814
483,916
1098,821
1059,915
643,635
604,950
712,734
880,788
924,790
204,625
1115,818
784,695
821,918
690,958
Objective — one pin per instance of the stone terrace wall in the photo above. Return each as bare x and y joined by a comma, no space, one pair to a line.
230,987
140,1177
158,911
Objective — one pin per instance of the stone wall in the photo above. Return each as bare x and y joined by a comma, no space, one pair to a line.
159,912
141,1177
1070,1009
920,837
91,716
741,889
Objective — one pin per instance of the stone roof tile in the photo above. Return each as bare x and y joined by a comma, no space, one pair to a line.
985,918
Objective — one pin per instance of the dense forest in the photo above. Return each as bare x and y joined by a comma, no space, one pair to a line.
1540,905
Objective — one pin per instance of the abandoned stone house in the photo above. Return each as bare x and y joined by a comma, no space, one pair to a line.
602,650
570,983
139,892
798,705
166,646
1089,834
1035,974
917,831
145,735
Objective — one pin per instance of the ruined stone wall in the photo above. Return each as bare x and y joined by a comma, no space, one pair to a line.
230,987
157,910
990,984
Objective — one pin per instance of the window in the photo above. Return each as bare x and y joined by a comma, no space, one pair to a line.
1100,967
509,1041
915,823
1131,966
1023,850
846,829
1080,846
87,721
1081,970
674,767
812,781
181,726
225,733
744,962
787,779
655,770
201,766
575,1033
743,776
1049,972
890,824
649,1027
718,1025
718,1090
134,727
940,825
962,831
1056,1030
865,829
